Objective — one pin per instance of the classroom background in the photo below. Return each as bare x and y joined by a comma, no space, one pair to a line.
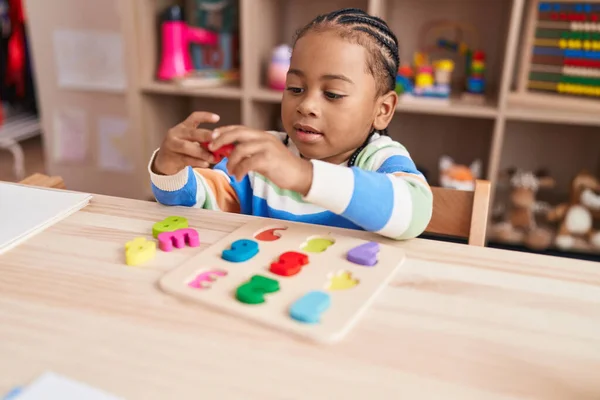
494,89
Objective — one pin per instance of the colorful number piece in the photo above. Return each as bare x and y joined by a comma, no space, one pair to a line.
254,290
169,224
221,152
205,279
139,251
289,263
341,281
240,250
365,254
310,307
269,235
178,238
317,244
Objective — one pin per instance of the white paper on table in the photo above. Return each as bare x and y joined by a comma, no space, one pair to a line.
112,133
28,210
51,386
70,135
89,60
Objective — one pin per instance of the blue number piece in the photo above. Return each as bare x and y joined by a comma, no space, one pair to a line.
308,308
241,250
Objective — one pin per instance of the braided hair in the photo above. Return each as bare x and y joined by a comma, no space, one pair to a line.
376,37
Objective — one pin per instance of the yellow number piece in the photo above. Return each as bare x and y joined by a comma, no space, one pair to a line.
139,251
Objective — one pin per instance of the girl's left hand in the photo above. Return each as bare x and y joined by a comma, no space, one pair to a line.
264,153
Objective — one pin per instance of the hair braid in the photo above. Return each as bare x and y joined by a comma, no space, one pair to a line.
376,37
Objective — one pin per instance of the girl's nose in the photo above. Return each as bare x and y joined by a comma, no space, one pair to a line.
308,107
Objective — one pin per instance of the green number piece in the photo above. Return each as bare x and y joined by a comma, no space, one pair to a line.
169,224
317,245
253,291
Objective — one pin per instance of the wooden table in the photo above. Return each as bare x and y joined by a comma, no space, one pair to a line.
458,322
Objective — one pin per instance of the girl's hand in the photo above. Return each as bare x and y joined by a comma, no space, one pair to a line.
181,147
265,154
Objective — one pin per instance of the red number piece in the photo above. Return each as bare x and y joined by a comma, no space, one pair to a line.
289,263
221,152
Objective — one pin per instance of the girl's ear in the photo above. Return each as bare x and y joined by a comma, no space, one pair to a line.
386,107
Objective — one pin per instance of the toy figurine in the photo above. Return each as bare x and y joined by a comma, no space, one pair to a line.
577,217
516,223
279,66
220,17
457,176
176,38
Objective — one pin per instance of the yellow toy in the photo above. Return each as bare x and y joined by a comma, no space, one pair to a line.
139,251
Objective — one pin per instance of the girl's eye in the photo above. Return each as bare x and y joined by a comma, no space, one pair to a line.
295,90
333,96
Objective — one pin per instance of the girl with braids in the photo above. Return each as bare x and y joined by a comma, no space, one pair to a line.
334,165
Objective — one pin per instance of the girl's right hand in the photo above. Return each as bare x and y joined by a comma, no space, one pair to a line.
181,147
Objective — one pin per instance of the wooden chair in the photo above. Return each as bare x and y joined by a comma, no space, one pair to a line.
44,181
459,213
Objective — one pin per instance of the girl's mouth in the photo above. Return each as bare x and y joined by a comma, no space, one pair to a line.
307,134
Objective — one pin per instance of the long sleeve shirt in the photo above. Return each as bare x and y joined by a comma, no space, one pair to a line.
383,193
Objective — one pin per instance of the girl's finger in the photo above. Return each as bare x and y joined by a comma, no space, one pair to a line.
235,136
199,135
194,162
247,164
244,150
193,149
200,117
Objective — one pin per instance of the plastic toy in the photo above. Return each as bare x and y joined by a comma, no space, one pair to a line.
220,17
139,251
279,66
434,68
176,37
321,296
240,251
365,254
169,224
178,239
221,152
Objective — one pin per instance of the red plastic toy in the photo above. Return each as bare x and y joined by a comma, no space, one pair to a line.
221,152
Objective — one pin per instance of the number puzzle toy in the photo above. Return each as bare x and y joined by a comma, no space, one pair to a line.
219,153
298,278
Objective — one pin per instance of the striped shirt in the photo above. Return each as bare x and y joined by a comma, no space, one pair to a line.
383,193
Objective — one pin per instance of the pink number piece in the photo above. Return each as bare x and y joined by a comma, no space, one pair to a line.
204,279
178,238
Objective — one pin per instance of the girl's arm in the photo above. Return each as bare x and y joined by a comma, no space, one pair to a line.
384,193
195,187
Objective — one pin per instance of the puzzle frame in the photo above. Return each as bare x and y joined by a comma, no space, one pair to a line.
346,305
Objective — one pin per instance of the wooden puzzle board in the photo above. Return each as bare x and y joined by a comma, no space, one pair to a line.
346,305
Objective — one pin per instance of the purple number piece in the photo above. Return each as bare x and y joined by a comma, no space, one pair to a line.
178,238
365,254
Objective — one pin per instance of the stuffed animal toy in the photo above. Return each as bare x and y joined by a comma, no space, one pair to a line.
457,176
518,223
576,218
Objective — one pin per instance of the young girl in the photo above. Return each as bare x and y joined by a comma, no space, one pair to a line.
335,165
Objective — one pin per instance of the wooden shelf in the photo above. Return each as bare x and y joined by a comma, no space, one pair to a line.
539,108
456,107
221,92
267,95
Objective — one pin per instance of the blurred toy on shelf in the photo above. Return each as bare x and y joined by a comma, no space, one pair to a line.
278,67
520,219
431,78
176,37
458,176
579,219
561,56
204,53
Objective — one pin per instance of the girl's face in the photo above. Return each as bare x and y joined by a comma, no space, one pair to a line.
330,104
